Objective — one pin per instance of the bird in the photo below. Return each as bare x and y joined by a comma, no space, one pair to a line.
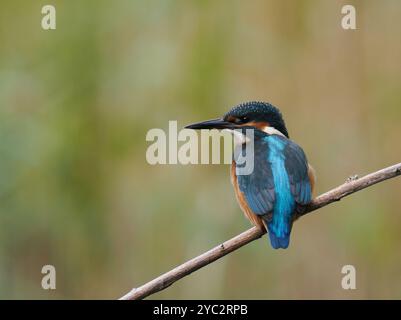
281,184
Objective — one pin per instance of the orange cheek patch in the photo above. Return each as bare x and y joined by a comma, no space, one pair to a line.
258,125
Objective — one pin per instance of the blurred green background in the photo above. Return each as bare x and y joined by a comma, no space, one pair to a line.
76,104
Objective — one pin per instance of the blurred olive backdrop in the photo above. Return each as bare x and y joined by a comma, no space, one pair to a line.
76,103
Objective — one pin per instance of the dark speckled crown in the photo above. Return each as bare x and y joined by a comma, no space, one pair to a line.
258,111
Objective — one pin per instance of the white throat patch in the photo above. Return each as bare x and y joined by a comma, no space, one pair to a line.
271,130
239,138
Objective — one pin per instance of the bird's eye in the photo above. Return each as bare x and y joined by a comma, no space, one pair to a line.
242,120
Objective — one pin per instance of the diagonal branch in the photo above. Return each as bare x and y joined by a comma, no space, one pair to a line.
168,278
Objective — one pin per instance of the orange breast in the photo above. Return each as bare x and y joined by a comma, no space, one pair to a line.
255,219
312,177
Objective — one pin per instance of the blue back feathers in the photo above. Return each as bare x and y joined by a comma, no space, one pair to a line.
280,226
278,184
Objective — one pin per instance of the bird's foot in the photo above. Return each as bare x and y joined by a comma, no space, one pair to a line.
352,178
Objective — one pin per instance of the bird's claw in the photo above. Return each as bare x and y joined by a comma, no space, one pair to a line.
352,178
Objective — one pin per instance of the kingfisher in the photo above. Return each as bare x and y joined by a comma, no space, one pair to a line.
281,184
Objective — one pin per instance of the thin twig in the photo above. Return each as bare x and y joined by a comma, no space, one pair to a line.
168,278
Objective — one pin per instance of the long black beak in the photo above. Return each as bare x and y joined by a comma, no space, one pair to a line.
212,124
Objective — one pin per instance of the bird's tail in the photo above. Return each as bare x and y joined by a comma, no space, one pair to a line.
278,240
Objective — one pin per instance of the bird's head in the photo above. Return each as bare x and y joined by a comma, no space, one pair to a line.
253,115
